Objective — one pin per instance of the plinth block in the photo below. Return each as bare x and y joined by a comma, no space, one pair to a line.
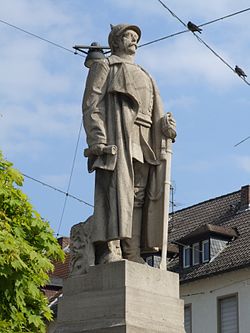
121,297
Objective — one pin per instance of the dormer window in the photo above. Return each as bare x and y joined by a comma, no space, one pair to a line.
186,256
205,250
204,244
196,253
193,255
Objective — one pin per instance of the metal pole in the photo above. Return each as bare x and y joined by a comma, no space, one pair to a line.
166,155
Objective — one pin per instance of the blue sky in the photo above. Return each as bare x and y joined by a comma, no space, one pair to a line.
41,89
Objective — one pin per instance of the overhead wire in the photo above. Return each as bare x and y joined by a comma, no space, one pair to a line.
200,25
141,45
203,42
148,43
70,178
56,189
162,38
218,56
172,13
67,194
224,17
39,37
151,42
237,144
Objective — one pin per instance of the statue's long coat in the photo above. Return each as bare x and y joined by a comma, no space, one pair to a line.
110,106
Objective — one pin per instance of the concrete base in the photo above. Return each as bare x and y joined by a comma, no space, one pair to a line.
121,297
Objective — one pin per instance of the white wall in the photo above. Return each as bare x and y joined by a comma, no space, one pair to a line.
203,294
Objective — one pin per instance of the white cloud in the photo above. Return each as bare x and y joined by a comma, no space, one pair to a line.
206,9
25,128
243,162
185,103
198,166
30,13
40,96
186,60
137,6
186,10
37,85
57,180
13,148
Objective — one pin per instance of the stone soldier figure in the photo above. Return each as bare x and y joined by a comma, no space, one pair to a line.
122,109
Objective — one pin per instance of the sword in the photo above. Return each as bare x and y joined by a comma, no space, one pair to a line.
166,155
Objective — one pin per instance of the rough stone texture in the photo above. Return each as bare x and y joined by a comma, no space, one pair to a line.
81,247
121,297
126,129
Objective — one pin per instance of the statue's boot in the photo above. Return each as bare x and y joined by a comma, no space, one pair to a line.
131,246
106,252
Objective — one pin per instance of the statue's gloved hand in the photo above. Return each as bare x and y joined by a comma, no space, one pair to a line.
168,126
97,149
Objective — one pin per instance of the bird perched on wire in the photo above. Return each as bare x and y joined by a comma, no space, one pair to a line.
240,71
193,27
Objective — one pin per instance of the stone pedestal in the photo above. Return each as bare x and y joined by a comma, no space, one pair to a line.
121,297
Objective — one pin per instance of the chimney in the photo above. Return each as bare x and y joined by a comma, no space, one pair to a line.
245,197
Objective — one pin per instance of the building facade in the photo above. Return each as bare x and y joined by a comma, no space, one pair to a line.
214,263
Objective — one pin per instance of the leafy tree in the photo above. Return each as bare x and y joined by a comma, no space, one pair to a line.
27,246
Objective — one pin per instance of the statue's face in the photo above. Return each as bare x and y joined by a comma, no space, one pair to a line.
127,43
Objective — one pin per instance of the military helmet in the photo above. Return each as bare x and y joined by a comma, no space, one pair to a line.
117,30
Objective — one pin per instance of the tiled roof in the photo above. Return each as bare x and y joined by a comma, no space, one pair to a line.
210,229
223,213
60,272
61,269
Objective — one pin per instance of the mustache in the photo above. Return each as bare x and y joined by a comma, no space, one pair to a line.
133,44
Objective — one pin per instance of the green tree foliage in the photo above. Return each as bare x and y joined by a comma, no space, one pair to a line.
27,246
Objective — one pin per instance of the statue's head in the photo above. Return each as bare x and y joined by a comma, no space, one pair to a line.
117,31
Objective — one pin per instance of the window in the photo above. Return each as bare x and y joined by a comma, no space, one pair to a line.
186,256
228,314
205,251
196,253
188,318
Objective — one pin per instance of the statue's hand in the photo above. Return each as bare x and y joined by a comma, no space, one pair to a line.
168,126
97,149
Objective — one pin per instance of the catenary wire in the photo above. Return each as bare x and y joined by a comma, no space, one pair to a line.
159,39
162,38
224,17
39,37
172,13
141,45
200,25
57,189
70,178
148,43
237,144
218,56
204,43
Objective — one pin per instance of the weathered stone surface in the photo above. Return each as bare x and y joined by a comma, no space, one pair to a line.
121,297
126,131
82,250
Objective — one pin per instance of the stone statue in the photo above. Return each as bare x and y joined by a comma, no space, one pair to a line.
125,125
